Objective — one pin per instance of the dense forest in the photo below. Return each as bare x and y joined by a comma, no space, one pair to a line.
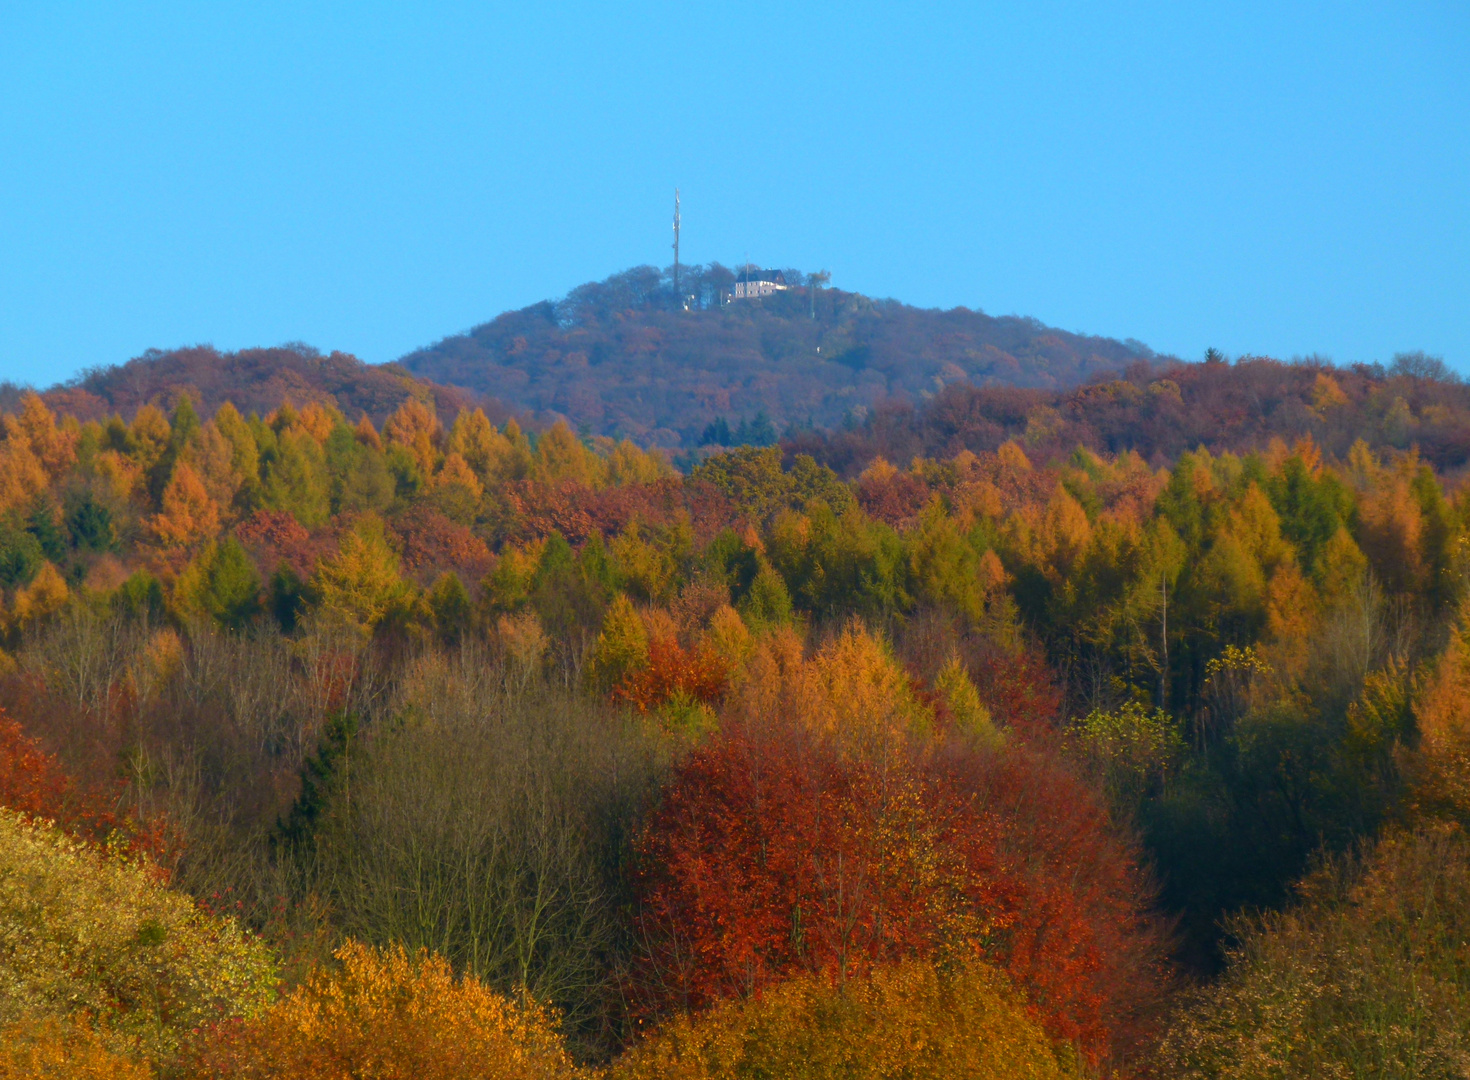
252,379
1025,733
631,357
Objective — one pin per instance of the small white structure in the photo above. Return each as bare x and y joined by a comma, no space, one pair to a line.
751,283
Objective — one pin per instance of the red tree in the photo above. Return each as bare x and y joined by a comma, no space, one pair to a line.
774,851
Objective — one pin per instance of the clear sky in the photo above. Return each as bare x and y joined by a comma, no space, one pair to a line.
1275,178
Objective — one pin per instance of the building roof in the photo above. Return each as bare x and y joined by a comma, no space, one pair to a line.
751,273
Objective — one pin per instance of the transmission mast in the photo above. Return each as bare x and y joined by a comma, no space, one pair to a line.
678,291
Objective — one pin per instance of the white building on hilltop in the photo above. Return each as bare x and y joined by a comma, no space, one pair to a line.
751,283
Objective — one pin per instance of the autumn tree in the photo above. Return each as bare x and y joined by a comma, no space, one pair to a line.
911,1020
386,1013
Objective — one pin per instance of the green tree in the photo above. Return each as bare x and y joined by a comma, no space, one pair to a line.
296,479
231,590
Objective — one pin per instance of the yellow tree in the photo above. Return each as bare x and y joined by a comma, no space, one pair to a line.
474,438
911,1020
561,456
415,428
361,583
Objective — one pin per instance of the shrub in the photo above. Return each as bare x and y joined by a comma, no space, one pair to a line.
912,1020
82,929
384,1015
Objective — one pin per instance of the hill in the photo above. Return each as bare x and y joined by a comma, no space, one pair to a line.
1161,410
625,358
255,380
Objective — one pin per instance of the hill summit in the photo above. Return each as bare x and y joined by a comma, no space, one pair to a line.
633,357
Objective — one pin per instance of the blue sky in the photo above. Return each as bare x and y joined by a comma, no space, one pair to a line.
1272,178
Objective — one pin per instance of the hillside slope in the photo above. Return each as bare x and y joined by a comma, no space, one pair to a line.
1159,411
255,380
624,358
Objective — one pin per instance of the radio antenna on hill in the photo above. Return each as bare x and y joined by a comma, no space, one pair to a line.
678,293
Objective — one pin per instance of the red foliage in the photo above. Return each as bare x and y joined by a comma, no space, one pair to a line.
1019,689
896,499
33,783
275,536
431,544
773,852
674,671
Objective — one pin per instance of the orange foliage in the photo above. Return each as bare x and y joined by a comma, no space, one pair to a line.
387,1016
674,672
188,513
39,1047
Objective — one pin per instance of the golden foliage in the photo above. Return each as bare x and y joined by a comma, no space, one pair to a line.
44,596
851,688
383,1015
415,428
49,1048
560,456
965,707
621,646
911,1021
86,931
361,584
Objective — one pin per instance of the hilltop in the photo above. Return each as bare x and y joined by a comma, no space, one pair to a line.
255,380
623,357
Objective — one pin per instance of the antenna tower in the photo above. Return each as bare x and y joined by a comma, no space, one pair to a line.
678,292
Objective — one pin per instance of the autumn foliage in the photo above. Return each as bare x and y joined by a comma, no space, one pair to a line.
833,838
386,1015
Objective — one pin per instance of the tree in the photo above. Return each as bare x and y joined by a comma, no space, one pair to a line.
231,585
911,1020
188,515
360,584
415,428
296,478
1361,978
92,932
388,1014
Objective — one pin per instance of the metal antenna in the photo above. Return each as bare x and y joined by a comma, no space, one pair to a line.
677,291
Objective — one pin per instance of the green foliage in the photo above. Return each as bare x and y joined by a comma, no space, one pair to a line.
296,479
766,602
44,526
1136,748
231,586
321,773
451,608
360,478
20,555
139,597
287,597
89,525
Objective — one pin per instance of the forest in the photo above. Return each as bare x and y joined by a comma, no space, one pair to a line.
1121,731
628,359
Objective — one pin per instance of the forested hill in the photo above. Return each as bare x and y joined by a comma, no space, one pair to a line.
624,357
255,380
1162,410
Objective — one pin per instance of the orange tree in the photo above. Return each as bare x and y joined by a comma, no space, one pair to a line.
386,1015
